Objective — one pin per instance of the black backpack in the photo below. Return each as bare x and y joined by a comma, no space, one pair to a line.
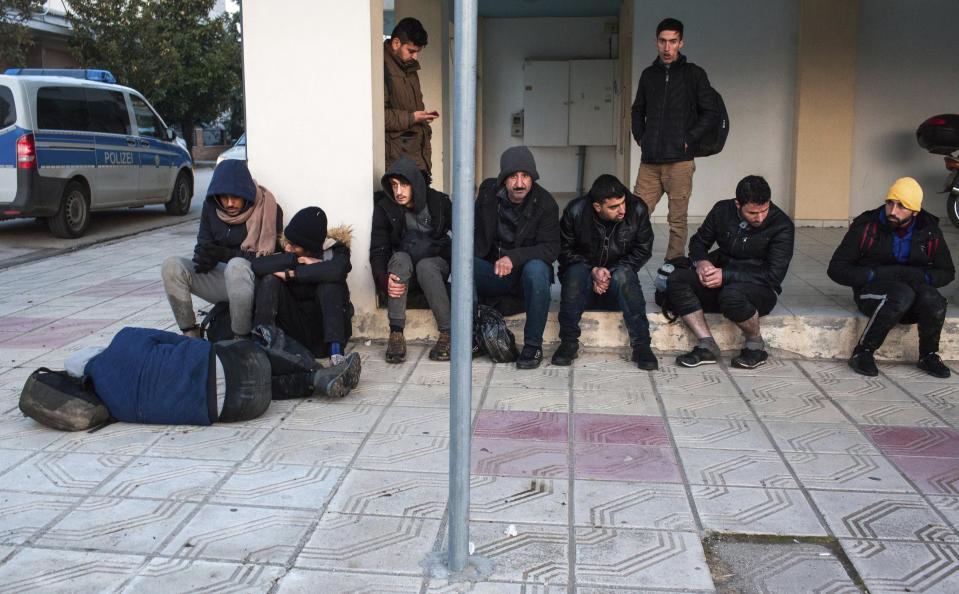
216,324
662,277
60,401
714,139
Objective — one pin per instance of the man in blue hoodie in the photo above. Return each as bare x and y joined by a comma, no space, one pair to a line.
240,222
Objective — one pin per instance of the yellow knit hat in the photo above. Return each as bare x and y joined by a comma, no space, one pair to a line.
907,192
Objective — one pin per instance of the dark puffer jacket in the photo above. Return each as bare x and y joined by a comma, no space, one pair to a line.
859,260
537,234
745,253
231,177
389,219
674,107
582,235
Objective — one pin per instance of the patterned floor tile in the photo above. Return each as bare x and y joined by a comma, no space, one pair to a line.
706,407
187,576
21,324
443,586
606,360
908,372
820,437
50,571
537,554
756,511
431,397
508,457
931,475
916,441
418,453
432,373
548,377
410,420
632,505
774,367
21,433
612,381
607,556
947,506
388,493
63,473
846,472
898,516
726,434
308,447
518,398
117,525
616,403
308,581
760,389
369,543
804,409
14,356
117,438
23,514
507,424
244,534
166,478
788,567
57,334
324,416
593,428
829,370
520,500
625,462
878,389
905,567
207,443
279,485
369,392
874,412
10,458
682,382
743,468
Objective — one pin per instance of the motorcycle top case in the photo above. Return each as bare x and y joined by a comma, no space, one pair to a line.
939,134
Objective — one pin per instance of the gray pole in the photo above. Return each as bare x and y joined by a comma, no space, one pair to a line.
461,373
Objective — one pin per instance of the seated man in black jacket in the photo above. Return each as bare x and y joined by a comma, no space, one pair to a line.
410,247
895,258
303,290
741,278
240,222
605,238
515,243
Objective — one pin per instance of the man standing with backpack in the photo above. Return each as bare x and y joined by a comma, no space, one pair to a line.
895,259
674,109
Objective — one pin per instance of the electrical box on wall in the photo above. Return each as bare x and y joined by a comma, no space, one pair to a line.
516,125
569,103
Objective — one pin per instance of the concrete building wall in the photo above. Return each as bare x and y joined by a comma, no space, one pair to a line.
506,44
748,49
908,70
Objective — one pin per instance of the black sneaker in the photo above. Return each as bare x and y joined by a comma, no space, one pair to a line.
567,351
750,358
331,381
863,363
933,365
696,357
644,358
354,366
530,358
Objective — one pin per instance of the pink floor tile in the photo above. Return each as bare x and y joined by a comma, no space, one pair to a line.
625,462
511,457
508,424
113,288
17,324
592,428
57,334
931,475
916,441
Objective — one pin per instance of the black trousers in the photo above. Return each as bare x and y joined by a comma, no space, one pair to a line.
314,315
888,303
736,301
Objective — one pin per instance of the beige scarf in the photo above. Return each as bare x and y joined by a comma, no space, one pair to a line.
261,232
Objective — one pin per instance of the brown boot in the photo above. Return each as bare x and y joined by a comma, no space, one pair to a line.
441,350
396,348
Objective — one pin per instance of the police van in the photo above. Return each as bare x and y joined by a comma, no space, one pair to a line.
74,141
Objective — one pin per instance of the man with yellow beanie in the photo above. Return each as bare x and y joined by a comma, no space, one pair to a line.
895,258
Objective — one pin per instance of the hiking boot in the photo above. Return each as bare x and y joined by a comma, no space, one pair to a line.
750,358
565,353
331,381
396,348
644,358
354,365
530,358
933,365
441,350
696,357
863,363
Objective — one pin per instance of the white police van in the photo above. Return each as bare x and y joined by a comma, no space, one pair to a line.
73,141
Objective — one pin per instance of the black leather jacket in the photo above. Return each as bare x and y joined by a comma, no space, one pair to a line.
537,236
746,254
585,238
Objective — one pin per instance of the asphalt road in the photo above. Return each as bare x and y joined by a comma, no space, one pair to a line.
26,240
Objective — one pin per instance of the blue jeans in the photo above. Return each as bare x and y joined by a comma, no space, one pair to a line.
532,283
624,294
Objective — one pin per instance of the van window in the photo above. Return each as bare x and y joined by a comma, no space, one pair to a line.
8,111
148,124
108,111
62,108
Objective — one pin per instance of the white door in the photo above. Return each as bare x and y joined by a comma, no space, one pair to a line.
545,103
591,102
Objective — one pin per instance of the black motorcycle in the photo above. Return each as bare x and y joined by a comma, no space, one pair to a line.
940,136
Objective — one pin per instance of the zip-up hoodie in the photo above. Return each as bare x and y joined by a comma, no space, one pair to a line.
231,177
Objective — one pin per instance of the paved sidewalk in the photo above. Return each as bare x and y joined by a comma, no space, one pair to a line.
610,476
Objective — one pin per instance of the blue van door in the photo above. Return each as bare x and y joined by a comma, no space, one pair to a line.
65,146
9,134
155,159
118,157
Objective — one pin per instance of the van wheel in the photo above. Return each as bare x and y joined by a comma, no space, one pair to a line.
73,218
179,203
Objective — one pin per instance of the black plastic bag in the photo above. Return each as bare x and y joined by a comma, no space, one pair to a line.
286,354
246,370
492,337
